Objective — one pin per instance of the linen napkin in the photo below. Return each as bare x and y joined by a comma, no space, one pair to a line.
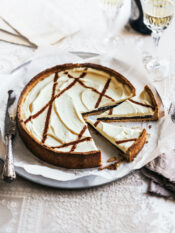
161,172
158,190
41,22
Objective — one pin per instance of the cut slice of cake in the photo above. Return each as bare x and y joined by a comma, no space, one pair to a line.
129,141
141,108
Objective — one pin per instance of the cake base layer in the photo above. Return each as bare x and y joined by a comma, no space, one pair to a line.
138,118
136,147
72,160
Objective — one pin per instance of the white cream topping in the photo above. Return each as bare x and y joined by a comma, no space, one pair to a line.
66,121
90,98
117,133
68,114
41,91
82,147
131,109
36,126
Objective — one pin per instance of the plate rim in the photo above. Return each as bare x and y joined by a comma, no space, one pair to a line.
47,182
37,179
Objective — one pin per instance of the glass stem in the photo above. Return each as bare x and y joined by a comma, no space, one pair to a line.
110,22
156,38
153,63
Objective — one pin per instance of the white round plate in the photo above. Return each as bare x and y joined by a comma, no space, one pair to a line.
80,183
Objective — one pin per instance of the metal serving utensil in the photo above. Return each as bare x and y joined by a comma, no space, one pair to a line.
9,133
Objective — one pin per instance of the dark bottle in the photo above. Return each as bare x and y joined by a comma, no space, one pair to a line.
136,19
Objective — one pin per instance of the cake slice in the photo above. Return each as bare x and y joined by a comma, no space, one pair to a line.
129,141
141,108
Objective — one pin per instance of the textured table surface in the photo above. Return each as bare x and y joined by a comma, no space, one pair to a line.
122,206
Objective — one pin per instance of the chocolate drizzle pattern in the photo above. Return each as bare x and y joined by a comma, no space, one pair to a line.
103,92
126,140
53,97
70,76
49,109
79,137
65,89
56,96
110,111
51,101
145,105
73,142
96,123
93,89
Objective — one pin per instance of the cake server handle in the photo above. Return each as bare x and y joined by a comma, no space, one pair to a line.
9,174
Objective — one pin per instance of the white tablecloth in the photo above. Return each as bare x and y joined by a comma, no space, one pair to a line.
122,206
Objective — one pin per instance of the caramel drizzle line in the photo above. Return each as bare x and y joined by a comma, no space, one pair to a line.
145,105
59,94
96,123
52,99
72,143
81,75
49,109
93,89
103,92
110,111
126,140
79,137
36,114
85,86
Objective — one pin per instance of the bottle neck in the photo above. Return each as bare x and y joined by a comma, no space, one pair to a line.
139,6
136,19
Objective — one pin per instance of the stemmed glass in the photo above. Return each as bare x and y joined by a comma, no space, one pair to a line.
110,9
158,15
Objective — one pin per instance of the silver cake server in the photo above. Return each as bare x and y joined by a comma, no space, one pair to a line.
9,134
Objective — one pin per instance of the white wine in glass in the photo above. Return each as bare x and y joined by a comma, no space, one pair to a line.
158,15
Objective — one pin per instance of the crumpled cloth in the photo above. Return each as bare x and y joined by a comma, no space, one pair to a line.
161,172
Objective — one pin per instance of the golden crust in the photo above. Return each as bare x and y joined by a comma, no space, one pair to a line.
136,147
155,117
63,159
72,160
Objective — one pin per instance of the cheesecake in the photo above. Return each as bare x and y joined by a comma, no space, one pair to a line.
51,108
139,108
129,141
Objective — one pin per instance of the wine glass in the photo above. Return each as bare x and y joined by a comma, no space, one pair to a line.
158,15
110,9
